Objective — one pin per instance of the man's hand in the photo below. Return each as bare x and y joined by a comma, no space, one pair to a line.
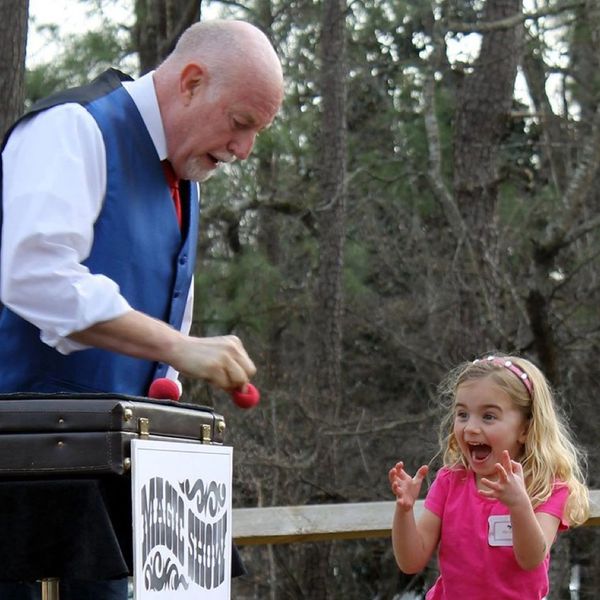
222,361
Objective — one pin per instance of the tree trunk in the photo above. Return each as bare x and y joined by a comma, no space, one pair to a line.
482,120
327,333
555,129
326,343
13,44
159,23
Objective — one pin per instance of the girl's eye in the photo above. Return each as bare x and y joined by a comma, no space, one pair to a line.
489,417
461,415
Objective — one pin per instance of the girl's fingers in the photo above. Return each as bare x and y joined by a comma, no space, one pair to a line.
404,476
487,483
396,470
502,473
506,462
402,484
421,473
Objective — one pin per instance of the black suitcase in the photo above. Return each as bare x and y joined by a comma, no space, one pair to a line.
70,434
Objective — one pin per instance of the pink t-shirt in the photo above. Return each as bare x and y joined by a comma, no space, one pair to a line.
471,568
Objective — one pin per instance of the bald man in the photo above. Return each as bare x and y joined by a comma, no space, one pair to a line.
97,261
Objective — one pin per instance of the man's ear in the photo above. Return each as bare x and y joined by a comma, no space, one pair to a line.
192,76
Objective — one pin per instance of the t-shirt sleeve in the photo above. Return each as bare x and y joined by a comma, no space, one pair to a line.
438,492
555,505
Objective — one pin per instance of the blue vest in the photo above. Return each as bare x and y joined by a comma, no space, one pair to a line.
137,244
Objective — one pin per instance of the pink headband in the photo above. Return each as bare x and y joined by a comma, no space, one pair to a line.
508,364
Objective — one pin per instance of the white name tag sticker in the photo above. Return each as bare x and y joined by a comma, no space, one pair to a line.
500,530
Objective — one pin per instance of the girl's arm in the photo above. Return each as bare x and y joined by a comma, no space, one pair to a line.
413,542
533,534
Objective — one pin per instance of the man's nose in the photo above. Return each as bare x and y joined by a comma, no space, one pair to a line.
242,145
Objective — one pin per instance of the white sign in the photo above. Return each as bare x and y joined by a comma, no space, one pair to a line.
181,520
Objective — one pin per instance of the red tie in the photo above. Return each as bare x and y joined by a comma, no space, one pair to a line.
173,182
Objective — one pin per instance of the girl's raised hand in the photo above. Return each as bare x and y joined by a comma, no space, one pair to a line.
404,487
509,487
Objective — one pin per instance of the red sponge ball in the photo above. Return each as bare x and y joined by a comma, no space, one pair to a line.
246,399
164,389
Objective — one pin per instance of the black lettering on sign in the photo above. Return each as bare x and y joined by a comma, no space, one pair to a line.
182,543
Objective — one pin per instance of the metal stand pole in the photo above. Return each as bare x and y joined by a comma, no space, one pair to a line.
50,589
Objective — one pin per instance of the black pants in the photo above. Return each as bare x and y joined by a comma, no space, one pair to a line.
69,589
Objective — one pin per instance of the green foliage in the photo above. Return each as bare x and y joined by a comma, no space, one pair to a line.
240,294
82,56
358,271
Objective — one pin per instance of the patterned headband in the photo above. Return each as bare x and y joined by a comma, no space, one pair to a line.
513,368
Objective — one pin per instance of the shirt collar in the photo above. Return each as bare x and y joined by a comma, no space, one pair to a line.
143,94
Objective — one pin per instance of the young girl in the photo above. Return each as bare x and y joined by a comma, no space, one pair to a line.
511,479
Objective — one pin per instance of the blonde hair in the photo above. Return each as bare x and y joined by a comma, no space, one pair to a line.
549,454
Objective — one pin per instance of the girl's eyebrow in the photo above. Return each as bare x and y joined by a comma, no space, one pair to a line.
484,407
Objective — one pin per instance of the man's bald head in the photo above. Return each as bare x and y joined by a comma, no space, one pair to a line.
221,86
229,50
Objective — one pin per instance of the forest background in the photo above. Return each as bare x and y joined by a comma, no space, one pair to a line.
429,192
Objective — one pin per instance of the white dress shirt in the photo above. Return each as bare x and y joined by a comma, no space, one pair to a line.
54,180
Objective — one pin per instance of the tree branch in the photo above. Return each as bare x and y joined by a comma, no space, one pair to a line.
576,193
514,20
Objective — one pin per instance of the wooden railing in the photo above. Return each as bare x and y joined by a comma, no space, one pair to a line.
318,522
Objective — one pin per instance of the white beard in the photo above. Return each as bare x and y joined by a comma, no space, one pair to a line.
194,171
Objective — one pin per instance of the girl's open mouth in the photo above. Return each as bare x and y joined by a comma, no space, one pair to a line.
479,452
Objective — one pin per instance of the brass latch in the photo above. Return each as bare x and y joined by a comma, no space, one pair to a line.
205,435
144,427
